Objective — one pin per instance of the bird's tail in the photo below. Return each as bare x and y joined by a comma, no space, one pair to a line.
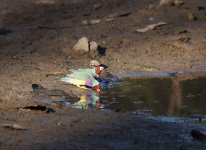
65,79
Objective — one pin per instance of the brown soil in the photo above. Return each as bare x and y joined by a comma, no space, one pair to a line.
39,50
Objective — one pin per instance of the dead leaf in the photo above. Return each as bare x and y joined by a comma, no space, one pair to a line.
151,27
92,21
38,107
14,126
121,14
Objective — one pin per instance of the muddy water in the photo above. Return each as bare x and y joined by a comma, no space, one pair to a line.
167,96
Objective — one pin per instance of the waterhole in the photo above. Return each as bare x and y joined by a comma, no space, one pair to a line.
158,96
170,97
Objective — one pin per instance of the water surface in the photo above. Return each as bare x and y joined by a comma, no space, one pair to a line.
165,96
169,97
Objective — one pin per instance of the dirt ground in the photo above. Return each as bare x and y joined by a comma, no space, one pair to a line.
36,41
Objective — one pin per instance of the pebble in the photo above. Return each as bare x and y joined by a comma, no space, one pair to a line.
95,21
82,45
93,46
178,3
151,7
165,2
171,2
191,17
85,22
97,6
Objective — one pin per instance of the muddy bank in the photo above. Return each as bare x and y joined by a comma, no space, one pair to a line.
78,129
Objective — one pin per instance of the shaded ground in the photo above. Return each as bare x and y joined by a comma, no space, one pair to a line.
39,50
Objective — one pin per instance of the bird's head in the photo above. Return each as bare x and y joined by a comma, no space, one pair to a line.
98,69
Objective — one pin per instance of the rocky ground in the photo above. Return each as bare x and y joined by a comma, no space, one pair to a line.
36,46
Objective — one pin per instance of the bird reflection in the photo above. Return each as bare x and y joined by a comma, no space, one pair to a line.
89,99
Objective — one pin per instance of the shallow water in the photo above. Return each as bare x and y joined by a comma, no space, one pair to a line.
164,96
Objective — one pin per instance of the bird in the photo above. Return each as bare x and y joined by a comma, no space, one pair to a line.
95,71
87,78
82,79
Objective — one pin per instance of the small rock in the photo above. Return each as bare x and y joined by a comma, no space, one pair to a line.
82,45
171,2
165,2
93,46
178,3
93,49
85,22
97,6
14,57
95,21
191,17
59,123
151,19
151,7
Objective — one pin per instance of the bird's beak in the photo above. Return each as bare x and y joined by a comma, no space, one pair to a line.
101,68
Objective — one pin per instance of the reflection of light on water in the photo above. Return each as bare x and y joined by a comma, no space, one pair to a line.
122,95
176,119
146,112
82,103
138,102
50,99
138,86
174,96
87,100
